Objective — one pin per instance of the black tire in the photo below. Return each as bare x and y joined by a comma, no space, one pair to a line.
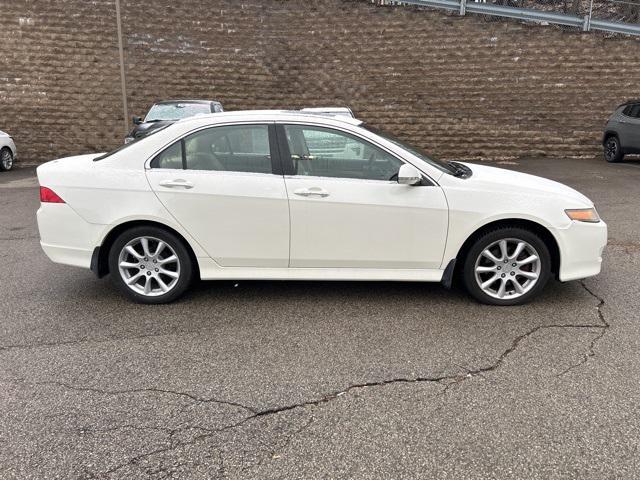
513,234
613,149
184,266
6,159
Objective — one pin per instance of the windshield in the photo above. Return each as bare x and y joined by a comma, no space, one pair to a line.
176,111
133,142
418,152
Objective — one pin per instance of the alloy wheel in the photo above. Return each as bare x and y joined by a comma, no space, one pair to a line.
611,148
149,266
507,268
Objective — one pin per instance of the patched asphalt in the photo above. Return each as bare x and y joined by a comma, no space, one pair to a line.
321,379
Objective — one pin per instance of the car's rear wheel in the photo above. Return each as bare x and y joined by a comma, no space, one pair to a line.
613,150
6,159
507,266
150,265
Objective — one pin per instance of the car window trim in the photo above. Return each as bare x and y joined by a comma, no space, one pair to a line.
274,151
288,165
628,109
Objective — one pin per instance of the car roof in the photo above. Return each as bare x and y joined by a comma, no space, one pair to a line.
271,115
629,102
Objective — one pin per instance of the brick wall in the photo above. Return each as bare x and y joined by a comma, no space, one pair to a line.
462,87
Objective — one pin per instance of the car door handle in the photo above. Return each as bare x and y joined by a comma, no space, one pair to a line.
311,192
176,183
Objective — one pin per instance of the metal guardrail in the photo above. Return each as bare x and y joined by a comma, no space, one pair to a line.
586,23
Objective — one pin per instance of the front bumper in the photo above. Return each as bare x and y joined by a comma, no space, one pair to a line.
581,246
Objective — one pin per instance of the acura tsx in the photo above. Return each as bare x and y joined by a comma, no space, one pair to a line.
291,195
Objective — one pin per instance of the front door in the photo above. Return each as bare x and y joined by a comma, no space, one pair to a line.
348,211
221,185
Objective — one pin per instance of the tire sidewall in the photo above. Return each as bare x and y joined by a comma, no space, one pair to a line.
2,151
618,156
484,241
186,266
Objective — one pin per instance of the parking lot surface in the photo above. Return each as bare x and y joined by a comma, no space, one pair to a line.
319,379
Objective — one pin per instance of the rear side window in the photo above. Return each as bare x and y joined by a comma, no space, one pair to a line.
169,158
235,148
632,110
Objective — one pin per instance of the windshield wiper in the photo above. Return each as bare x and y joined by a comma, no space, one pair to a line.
460,170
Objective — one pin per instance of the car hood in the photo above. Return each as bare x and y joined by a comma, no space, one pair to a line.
502,180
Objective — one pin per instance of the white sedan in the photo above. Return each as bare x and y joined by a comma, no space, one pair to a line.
8,151
286,195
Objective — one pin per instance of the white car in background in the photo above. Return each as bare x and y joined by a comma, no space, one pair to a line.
330,111
8,152
290,195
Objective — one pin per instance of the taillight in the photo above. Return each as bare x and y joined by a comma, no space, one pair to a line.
49,196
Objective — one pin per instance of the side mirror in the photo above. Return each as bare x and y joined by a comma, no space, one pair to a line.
136,120
409,175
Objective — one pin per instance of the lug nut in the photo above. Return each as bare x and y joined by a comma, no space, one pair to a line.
141,267
503,275
499,268
514,264
149,272
513,273
157,269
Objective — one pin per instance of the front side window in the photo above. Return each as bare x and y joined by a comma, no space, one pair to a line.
235,148
324,152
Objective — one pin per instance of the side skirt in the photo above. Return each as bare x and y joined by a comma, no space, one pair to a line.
210,271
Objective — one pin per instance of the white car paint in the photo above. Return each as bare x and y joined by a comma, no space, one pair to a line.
255,226
7,141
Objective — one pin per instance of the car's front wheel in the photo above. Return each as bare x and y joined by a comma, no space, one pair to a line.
150,265
507,266
613,150
6,159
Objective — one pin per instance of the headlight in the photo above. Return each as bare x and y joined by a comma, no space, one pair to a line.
583,215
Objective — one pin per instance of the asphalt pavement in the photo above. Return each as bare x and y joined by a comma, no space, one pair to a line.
336,380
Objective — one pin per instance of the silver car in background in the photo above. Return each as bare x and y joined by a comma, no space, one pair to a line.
622,132
8,153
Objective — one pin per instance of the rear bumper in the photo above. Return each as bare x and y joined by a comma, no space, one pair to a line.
66,237
581,246
76,257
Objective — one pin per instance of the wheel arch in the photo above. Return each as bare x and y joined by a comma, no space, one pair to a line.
543,232
100,257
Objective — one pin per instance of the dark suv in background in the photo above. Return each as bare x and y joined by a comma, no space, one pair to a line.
169,111
622,132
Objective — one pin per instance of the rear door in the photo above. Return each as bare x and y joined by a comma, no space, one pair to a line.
224,185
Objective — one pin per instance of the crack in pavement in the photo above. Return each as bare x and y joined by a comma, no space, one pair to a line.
190,396
80,341
447,379
603,327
